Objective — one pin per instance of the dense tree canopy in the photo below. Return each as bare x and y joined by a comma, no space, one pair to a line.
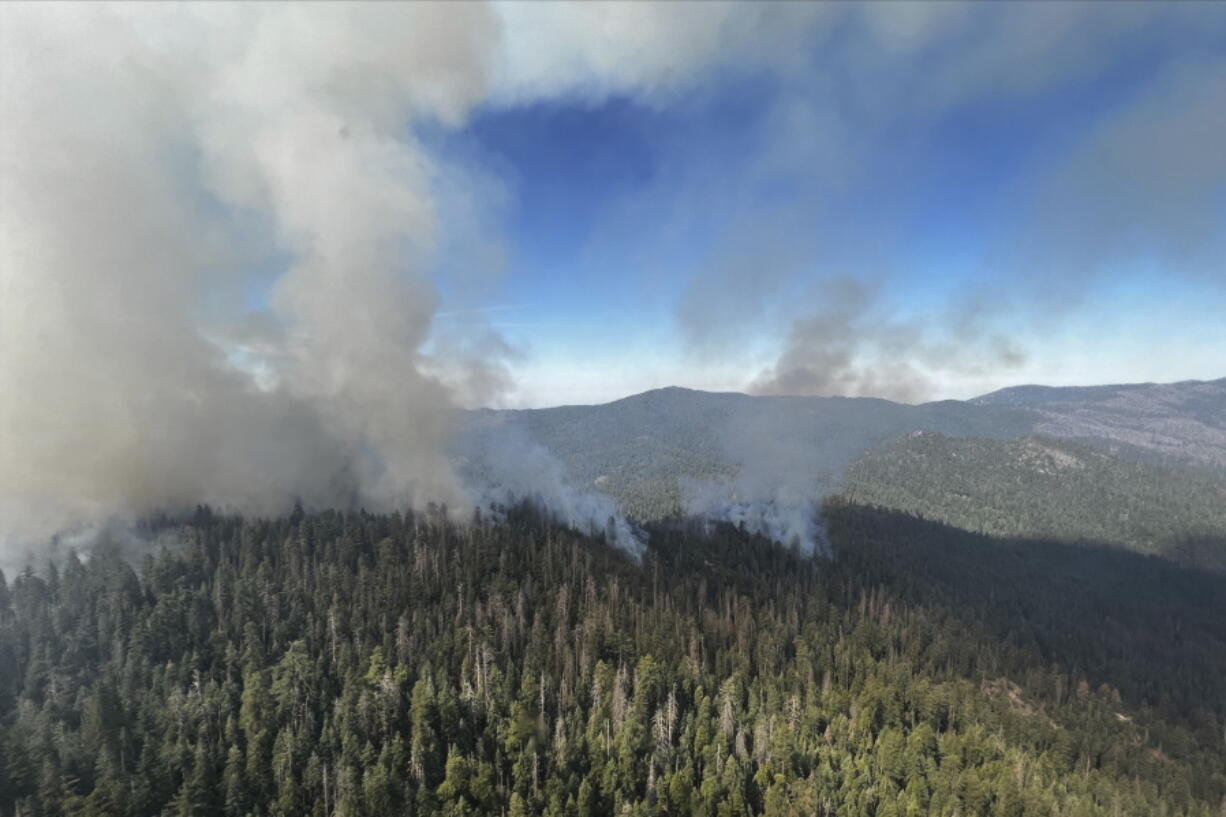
360,665
1056,489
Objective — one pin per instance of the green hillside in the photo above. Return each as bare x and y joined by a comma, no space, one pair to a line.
1055,489
639,448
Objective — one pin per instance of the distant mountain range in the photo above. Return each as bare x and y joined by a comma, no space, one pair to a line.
1119,457
1174,422
636,449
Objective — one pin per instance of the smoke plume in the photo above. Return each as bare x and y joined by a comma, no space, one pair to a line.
156,161
218,228
500,465
221,226
849,345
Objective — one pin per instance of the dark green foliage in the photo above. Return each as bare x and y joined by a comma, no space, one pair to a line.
1047,488
362,666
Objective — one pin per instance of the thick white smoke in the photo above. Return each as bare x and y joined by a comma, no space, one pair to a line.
217,227
153,159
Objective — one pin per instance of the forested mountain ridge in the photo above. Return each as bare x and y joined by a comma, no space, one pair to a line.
638,448
1048,488
354,665
1177,422
1155,453
372,665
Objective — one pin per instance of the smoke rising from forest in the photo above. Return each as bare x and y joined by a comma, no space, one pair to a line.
220,225
153,160
501,465
216,248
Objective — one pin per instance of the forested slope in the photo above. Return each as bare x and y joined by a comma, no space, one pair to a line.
1048,488
374,665
1164,422
639,450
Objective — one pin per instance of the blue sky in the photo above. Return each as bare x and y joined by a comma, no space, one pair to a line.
542,203
927,173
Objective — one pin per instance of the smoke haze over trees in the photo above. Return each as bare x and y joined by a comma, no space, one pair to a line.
227,230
